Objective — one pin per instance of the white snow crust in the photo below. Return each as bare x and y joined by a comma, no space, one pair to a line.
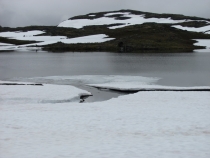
134,19
19,34
144,124
205,29
203,42
45,40
5,44
135,86
25,94
100,79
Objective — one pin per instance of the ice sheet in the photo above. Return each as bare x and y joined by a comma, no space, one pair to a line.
97,79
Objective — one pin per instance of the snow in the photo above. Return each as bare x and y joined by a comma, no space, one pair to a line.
135,86
116,82
203,42
97,79
30,36
5,44
117,13
144,124
133,19
19,34
205,29
25,94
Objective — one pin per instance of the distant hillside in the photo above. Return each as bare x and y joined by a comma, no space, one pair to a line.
122,18
123,30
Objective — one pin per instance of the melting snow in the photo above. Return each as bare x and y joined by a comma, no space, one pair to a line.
205,29
133,19
45,40
203,42
5,44
144,124
25,94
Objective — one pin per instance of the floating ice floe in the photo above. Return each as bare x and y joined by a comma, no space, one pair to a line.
98,79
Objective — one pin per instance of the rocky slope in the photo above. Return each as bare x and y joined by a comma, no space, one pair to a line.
123,30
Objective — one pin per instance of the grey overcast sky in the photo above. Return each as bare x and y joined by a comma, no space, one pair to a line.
14,13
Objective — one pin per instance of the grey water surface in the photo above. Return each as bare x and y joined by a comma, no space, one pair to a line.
174,69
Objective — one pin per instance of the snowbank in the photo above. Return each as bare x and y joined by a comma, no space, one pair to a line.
145,124
25,94
125,86
19,34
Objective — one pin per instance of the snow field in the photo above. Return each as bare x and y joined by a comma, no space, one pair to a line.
25,94
144,124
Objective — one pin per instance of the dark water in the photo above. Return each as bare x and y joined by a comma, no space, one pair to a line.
177,69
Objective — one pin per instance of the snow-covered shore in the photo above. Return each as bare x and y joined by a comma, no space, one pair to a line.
144,124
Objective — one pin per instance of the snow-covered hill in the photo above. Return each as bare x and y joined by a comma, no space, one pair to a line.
119,19
140,30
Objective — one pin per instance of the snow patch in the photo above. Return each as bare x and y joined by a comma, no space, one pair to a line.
25,94
136,86
5,44
19,34
133,20
45,40
203,42
116,13
205,29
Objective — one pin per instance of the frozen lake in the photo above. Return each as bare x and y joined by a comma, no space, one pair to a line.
48,121
174,69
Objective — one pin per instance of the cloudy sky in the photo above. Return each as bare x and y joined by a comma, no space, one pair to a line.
15,13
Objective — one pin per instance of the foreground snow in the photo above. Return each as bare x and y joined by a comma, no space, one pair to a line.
39,121
25,94
145,124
